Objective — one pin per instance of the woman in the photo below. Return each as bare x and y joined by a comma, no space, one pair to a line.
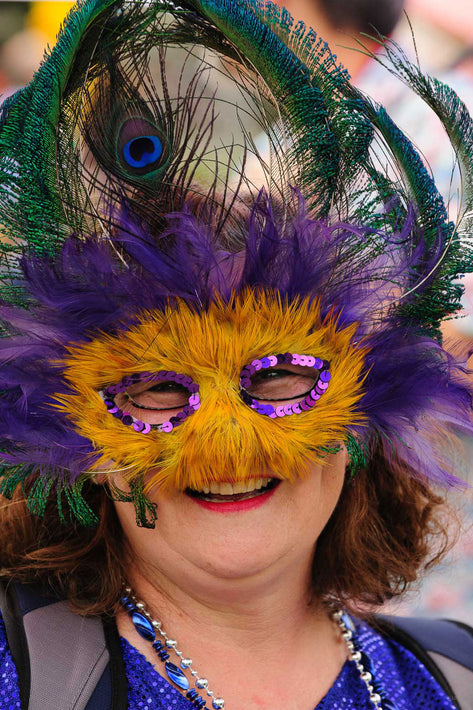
225,407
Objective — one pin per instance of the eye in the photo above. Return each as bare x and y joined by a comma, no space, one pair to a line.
141,147
159,397
297,381
281,384
152,400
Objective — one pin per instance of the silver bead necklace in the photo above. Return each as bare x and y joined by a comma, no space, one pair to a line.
151,629
362,662
148,628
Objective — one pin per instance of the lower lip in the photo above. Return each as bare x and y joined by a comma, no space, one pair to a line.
237,506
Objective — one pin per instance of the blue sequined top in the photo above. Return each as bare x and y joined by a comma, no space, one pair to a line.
405,680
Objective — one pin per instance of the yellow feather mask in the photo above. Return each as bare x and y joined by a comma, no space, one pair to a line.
224,439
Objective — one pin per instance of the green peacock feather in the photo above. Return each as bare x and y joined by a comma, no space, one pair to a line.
328,130
241,98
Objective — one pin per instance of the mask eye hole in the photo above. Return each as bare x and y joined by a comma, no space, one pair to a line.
152,400
284,384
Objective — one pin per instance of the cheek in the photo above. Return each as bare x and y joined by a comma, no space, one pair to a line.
317,496
280,535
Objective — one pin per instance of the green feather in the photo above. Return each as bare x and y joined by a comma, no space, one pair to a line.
145,509
31,198
60,169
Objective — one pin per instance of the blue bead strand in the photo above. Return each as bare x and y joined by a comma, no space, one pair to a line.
147,630
176,675
143,625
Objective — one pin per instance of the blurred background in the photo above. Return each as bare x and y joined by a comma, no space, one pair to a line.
437,35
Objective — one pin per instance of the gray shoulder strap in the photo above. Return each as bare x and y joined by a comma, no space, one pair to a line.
444,647
68,656
459,677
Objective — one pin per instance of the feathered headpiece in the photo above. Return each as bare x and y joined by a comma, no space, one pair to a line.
193,193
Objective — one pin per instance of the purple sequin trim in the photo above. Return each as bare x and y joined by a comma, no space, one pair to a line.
109,393
321,367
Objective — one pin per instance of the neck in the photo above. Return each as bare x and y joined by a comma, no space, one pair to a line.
256,626
273,604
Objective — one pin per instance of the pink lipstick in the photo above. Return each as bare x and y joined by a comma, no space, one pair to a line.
235,503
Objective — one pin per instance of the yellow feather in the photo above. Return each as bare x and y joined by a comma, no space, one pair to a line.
225,439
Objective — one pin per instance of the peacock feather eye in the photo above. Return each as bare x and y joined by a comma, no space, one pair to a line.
141,147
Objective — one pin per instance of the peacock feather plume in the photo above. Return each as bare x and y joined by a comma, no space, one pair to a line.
170,153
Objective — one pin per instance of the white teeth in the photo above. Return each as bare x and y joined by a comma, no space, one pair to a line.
228,489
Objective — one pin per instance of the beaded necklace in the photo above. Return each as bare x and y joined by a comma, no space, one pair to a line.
151,630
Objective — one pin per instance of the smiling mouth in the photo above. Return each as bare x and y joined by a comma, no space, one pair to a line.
226,492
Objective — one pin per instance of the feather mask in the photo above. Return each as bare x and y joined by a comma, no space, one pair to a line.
194,209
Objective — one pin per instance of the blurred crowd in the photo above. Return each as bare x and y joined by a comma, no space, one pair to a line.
439,38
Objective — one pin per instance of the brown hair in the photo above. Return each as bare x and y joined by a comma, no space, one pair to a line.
386,528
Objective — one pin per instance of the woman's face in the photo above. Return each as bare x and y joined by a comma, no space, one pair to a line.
271,386
253,346
268,534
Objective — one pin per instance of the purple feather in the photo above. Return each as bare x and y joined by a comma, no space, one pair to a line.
412,385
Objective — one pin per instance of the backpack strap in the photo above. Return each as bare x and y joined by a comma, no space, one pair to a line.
444,647
62,659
